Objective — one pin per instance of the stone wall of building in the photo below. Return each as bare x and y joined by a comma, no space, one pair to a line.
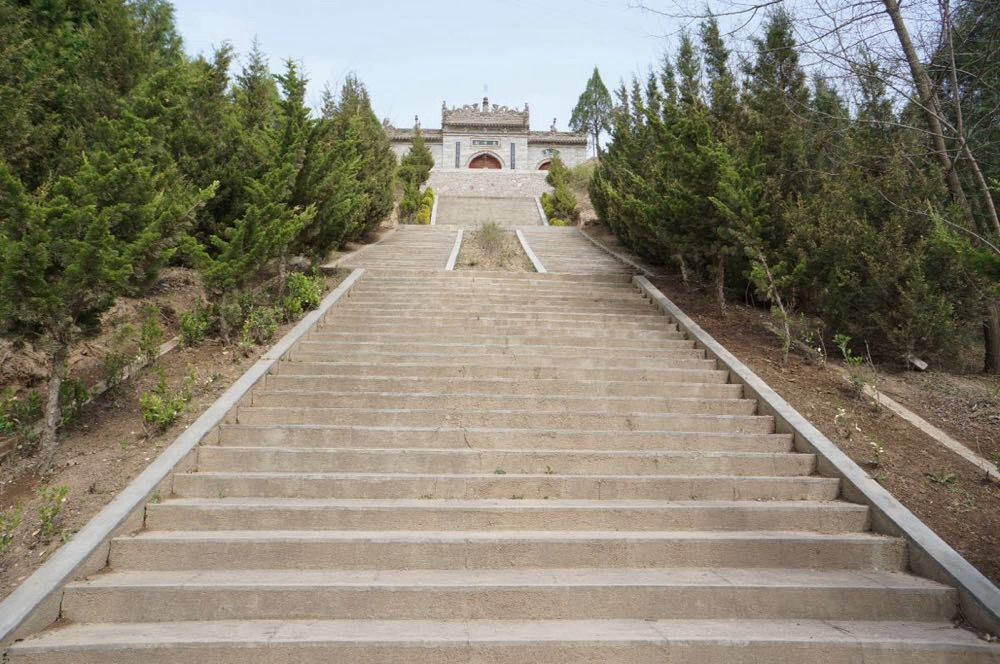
401,148
571,155
485,182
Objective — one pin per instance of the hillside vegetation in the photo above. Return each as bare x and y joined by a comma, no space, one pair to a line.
825,200
120,155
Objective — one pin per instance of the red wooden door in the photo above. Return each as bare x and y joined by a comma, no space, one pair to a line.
485,161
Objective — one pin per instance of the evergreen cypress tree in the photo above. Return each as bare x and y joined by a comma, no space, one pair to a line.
414,169
68,252
592,113
352,111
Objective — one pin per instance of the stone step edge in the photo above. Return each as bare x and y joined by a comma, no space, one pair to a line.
665,635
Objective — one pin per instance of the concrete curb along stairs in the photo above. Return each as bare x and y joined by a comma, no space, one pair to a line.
503,467
930,556
35,603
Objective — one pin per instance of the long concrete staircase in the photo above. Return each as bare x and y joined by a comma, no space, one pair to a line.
502,467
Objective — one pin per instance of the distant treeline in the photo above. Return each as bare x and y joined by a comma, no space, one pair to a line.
760,182
119,154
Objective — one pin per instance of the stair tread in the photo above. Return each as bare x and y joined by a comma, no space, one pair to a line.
517,577
498,632
502,536
488,504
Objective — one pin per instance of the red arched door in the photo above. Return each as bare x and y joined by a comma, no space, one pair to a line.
545,166
485,161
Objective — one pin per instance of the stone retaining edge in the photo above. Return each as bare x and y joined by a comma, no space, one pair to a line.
929,555
636,265
450,265
35,603
531,254
541,211
330,267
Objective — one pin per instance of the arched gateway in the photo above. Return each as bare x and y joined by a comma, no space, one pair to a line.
485,161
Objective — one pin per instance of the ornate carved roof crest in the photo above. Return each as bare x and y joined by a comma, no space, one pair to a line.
486,114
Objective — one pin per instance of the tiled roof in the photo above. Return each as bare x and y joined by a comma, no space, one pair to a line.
560,137
399,135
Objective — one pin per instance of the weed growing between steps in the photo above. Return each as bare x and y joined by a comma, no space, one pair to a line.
107,444
490,247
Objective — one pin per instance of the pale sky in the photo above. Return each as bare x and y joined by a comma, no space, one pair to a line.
413,55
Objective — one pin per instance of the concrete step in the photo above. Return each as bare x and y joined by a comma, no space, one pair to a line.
739,641
481,401
473,300
377,273
508,642
518,461
401,369
369,322
312,353
454,549
508,594
605,348
564,323
502,514
485,307
335,435
522,288
527,419
501,386
510,485
579,337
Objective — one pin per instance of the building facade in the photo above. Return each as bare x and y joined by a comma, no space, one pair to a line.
490,136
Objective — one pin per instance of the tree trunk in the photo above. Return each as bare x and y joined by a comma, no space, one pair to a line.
928,104
977,173
991,336
720,283
53,407
931,110
223,321
282,274
984,188
684,269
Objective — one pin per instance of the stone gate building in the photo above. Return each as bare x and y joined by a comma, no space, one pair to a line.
490,136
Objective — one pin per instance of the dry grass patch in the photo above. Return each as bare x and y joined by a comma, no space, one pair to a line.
491,247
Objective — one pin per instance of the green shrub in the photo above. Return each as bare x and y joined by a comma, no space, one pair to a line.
53,500
558,222
304,294
118,360
74,395
8,524
152,333
16,414
194,327
424,216
259,326
161,406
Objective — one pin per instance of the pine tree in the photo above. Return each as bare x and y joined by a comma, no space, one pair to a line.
723,92
352,111
689,72
256,92
67,253
592,113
